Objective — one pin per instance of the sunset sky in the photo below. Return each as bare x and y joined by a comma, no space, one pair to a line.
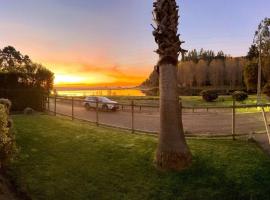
110,42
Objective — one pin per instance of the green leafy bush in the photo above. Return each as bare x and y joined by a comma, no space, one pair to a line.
266,89
28,111
209,95
240,95
7,145
7,103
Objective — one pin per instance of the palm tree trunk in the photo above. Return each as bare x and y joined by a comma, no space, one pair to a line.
173,152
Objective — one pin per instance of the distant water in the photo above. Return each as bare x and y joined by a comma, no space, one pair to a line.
103,92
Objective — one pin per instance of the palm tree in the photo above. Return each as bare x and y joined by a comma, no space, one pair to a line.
173,152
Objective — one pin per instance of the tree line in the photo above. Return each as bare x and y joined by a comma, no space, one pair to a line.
203,68
259,52
217,72
29,74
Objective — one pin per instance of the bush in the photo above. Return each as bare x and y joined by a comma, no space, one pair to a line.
266,89
7,103
240,96
28,111
6,138
209,95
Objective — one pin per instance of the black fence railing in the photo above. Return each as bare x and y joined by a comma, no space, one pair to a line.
204,121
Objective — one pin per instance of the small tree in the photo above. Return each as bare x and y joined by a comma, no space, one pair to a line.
266,89
251,75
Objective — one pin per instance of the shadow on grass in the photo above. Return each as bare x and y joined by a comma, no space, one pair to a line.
205,181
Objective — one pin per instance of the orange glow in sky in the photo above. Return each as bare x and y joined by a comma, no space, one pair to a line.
110,43
73,74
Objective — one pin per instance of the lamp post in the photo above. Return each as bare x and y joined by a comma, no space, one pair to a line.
259,88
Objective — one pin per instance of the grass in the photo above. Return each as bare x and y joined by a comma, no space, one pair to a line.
197,101
60,159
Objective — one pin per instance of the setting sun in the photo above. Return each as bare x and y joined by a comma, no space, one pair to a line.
88,78
67,79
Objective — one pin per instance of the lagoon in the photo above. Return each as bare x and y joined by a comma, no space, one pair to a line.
101,92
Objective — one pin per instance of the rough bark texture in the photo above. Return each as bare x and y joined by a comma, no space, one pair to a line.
173,152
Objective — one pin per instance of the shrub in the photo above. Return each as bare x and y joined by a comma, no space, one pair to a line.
266,89
209,95
240,95
28,111
6,138
7,103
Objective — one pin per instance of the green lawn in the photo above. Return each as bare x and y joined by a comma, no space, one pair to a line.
197,101
64,160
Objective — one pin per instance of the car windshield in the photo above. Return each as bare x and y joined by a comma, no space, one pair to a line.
89,98
104,99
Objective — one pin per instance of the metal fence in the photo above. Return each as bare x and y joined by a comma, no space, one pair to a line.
206,121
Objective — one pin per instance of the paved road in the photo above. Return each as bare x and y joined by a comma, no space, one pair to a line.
147,119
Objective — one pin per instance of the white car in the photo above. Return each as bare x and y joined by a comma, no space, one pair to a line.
103,103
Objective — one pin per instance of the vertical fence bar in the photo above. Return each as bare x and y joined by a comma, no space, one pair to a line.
43,103
72,108
49,109
233,120
55,104
97,117
181,109
132,116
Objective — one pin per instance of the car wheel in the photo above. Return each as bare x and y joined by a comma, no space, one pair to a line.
105,108
87,106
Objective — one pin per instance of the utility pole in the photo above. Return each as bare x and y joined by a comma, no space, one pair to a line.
259,88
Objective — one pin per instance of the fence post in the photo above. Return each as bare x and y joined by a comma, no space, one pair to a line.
55,105
72,108
233,120
181,108
43,103
266,124
132,116
97,117
49,109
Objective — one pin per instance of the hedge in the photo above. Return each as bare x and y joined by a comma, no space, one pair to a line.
7,145
23,98
209,95
240,95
